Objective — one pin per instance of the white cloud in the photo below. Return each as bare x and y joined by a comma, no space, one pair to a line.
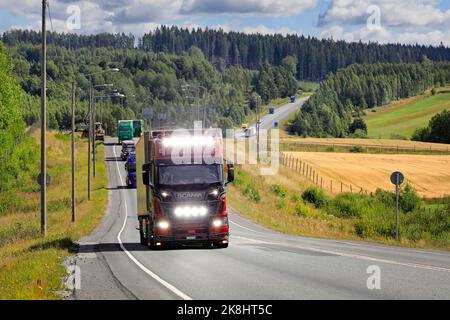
394,13
252,7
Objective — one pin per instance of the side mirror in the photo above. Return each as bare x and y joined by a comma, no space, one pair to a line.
230,176
146,178
146,174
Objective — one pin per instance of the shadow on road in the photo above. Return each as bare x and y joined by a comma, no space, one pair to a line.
113,159
109,144
133,247
118,188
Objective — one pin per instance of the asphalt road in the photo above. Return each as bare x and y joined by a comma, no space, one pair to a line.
281,113
259,263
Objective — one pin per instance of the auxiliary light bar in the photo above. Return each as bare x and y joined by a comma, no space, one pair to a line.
181,141
191,212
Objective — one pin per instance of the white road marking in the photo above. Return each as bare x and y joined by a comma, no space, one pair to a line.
132,258
355,244
241,226
350,255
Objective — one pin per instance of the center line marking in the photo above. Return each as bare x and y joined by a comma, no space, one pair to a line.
350,255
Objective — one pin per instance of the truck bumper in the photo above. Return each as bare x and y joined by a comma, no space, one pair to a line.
192,239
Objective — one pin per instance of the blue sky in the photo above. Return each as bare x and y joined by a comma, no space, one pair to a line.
405,21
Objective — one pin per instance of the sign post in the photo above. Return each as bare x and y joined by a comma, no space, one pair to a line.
397,179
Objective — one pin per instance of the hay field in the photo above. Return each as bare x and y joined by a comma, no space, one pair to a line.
383,143
429,175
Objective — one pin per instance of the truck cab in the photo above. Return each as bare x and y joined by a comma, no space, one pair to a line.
99,131
138,128
182,202
127,148
125,130
130,167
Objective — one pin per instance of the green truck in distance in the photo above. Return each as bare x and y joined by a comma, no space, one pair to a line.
125,130
138,128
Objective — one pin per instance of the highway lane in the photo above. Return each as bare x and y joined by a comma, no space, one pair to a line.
259,263
281,113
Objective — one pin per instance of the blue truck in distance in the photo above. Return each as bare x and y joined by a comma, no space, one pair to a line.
130,167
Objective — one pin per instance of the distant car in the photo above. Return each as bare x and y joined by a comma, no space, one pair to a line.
293,98
128,146
250,132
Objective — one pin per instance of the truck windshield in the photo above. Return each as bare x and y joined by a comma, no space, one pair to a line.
190,174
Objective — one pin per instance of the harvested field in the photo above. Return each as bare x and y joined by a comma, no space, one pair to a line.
429,175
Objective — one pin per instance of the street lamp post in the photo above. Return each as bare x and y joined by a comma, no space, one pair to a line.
197,88
91,92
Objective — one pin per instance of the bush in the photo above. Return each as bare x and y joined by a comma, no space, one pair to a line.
301,210
357,149
360,134
408,199
421,222
358,124
315,196
278,190
295,197
376,223
349,205
251,193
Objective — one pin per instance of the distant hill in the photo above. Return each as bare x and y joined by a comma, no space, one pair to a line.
402,118
344,95
316,58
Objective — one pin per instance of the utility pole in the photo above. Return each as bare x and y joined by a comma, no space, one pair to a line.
258,122
73,152
89,142
43,121
93,137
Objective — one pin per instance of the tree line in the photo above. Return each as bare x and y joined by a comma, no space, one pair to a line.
316,58
148,80
69,40
17,152
344,95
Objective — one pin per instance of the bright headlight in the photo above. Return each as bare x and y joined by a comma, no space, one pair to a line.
189,211
164,194
163,225
214,193
218,223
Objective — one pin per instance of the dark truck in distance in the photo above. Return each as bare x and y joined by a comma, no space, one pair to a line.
127,147
182,203
130,168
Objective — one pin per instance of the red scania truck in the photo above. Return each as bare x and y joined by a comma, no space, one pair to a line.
181,188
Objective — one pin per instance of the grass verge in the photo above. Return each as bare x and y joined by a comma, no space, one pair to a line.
290,204
30,266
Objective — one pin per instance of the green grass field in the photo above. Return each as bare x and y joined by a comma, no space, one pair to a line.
404,117
30,265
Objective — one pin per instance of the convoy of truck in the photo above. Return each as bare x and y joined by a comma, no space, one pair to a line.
181,189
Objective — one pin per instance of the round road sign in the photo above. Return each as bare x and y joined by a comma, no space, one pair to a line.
39,179
397,175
